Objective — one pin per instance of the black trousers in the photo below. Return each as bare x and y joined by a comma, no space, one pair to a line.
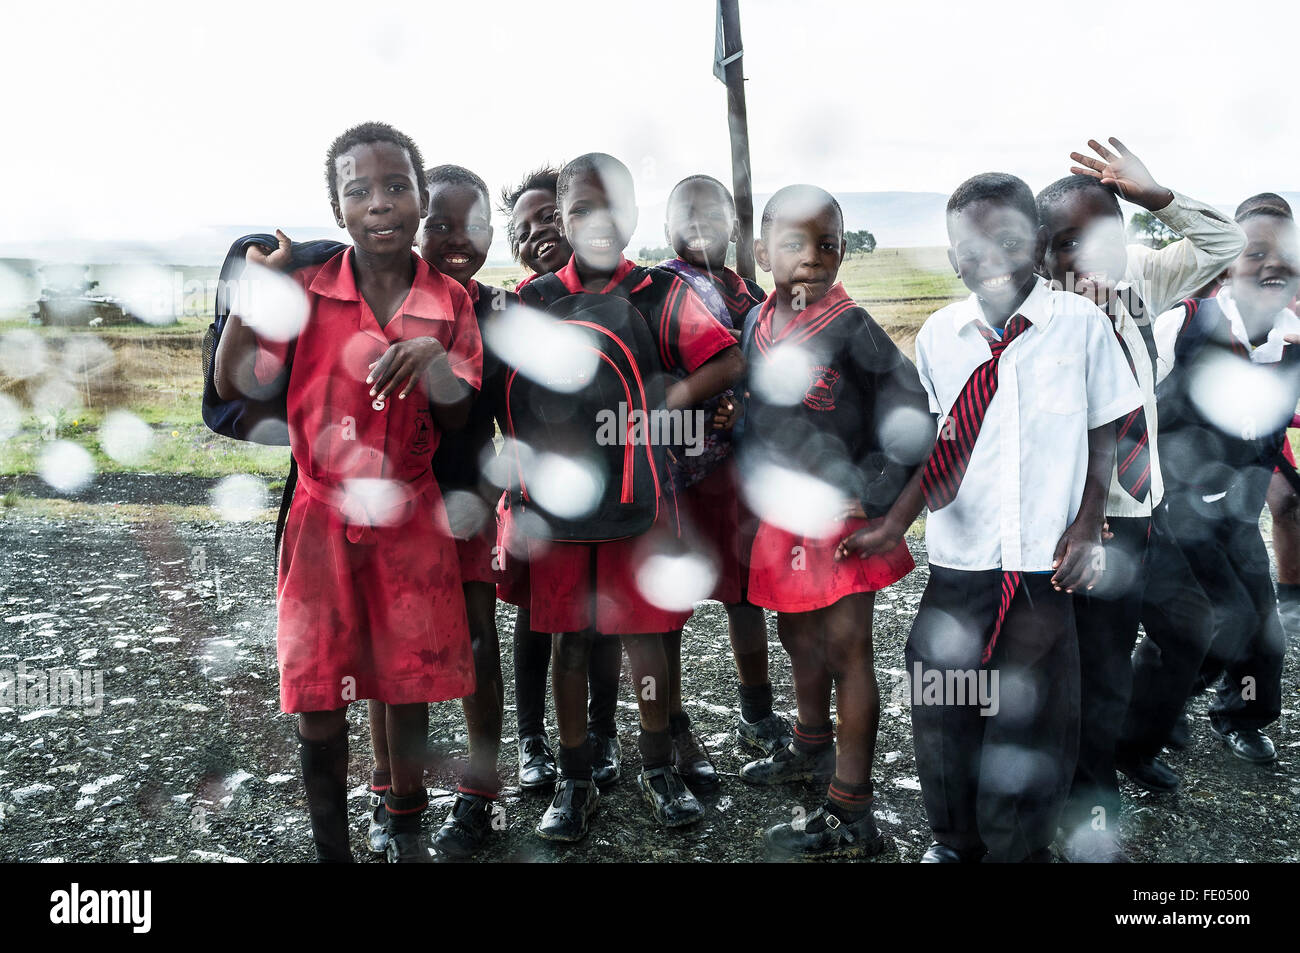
996,776
1226,553
1179,624
1107,622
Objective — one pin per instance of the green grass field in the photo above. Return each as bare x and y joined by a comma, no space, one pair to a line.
155,372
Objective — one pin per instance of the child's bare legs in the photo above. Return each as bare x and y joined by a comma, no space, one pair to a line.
483,709
672,643
1284,507
652,677
748,631
323,737
570,653
800,635
850,660
408,736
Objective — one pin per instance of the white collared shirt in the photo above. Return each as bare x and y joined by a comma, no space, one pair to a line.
1062,377
1209,242
1169,324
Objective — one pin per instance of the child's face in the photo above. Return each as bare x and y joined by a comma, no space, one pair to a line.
1085,249
598,216
701,224
1267,275
803,252
379,201
542,249
458,231
994,250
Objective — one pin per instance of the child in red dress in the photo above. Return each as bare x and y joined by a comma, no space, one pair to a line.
369,596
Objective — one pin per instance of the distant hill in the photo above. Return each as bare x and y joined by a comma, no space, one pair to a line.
897,219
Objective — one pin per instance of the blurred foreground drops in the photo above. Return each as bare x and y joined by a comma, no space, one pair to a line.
55,397
784,377
125,438
22,354
239,498
545,349
907,434
1241,399
794,501
467,514
65,466
11,417
15,290
375,502
149,293
569,488
85,356
271,303
675,582
499,469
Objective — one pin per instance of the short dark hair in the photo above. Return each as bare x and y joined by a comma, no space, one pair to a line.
1055,193
784,195
362,134
1265,203
998,187
458,175
598,162
701,177
545,178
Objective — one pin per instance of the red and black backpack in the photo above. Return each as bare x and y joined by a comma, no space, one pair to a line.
627,383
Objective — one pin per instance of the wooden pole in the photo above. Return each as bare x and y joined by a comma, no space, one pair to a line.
738,125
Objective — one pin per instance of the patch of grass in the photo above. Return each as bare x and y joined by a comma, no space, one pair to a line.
121,512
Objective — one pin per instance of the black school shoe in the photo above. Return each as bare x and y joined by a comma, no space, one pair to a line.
671,801
790,764
570,811
823,834
606,758
1248,744
1150,774
467,827
377,834
406,840
1180,735
767,736
536,763
938,853
693,763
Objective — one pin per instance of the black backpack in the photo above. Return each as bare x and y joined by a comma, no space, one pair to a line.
262,421
627,384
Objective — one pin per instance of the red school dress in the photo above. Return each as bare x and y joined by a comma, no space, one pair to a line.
369,594
572,587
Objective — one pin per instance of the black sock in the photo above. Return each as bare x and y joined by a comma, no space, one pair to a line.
575,763
325,777
484,785
755,702
849,802
380,781
656,749
406,810
679,724
811,739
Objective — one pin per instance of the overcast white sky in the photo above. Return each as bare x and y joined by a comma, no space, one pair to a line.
142,121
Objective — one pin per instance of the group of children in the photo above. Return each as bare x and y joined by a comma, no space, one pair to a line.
1085,430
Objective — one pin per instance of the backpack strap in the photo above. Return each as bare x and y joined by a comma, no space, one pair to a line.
633,278
290,484
542,290
1137,308
1202,315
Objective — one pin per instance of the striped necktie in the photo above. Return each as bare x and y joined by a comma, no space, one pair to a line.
1133,457
951,455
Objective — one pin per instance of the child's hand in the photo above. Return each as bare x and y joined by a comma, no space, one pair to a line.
727,415
1106,534
852,509
1124,174
1079,559
278,260
868,541
1291,338
404,361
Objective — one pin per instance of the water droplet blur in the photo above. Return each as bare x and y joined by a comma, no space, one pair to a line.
371,502
907,434
86,356
1243,400
783,377
271,303
467,514
675,582
126,438
569,488
22,354
11,417
239,498
794,501
65,466
549,351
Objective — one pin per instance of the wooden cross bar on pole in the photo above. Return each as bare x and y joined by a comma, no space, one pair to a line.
728,67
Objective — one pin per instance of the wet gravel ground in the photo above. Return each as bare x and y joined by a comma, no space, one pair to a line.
190,759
